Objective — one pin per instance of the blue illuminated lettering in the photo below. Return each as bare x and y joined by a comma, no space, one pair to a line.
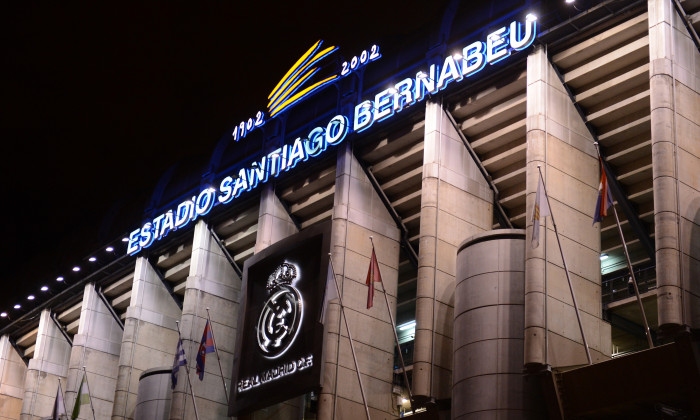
474,58
134,246
450,73
337,129
404,94
257,172
520,41
296,154
182,215
384,105
426,82
315,144
240,184
146,235
168,224
497,46
364,117
205,202
274,162
157,225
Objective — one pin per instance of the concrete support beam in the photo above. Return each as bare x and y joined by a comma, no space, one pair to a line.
359,213
96,346
456,203
12,374
213,284
560,143
149,339
49,364
675,127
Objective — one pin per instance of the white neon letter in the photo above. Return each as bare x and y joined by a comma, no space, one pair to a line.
497,46
404,94
474,59
363,116
450,72
526,39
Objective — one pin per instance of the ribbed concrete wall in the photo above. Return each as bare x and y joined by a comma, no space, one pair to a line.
154,396
675,122
561,145
456,203
358,213
12,374
489,330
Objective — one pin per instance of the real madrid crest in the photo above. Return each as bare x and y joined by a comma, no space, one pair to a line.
281,314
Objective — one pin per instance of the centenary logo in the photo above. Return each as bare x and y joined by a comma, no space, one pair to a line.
281,314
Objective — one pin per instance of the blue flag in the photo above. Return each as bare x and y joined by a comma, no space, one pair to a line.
180,360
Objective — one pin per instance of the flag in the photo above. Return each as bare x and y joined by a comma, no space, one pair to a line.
329,294
373,275
59,406
80,400
205,346
601,206
540,211
180,360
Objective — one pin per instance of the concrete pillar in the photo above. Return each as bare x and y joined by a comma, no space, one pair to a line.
488,329
358,213
675,128
12,374
49,364
274,224
559,142
456,203
96,346
212,284
155,395
150,336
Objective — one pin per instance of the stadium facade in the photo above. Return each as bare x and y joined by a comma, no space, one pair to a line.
429,153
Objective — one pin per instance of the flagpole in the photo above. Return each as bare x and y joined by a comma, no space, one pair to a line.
63,400
647,331
89,393
396,337
566,269
187,369
347,327
218,358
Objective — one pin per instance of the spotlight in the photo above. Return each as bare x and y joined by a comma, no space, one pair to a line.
568,1
92,259
3,314
392,91
17,306
44,288
457,56
404,400
76,268
125,239
530,17
59,278
603,257
109,249
30,297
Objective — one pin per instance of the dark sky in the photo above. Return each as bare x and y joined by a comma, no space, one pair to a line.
100,98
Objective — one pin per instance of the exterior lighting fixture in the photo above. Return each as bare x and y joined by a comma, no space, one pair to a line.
76,268
530,17
125,239
17,306
109,249
392,91
407,325
59,278
457,56
404,400
3,314
569,1
44,288
30,297
92,259
603,257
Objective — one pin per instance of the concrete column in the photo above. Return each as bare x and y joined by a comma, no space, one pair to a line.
358,213
155,395
456,203
675,128
559,142
49,364
12,374
275,224
96,346
488,337
212,284
150,336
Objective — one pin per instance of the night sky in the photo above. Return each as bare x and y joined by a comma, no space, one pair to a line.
100,99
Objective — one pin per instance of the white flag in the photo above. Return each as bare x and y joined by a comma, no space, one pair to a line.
540,210
330,293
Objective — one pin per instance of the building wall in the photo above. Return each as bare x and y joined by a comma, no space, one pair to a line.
675,119
12,373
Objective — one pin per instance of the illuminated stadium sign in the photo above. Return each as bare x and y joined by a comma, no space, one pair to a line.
297,84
